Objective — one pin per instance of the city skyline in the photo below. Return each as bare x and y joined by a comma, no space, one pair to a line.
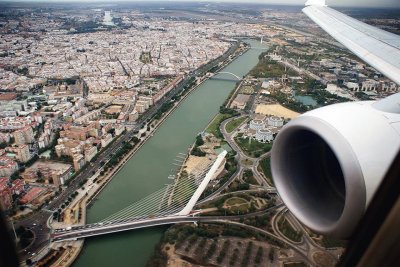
352,3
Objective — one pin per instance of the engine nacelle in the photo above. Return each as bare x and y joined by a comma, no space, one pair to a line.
328,163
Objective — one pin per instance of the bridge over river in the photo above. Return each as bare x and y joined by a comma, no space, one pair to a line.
171,204
226,76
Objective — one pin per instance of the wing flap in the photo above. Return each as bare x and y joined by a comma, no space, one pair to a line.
376,47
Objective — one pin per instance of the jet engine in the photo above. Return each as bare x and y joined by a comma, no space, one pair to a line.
328,163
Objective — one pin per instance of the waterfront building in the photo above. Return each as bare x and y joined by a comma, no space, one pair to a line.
133,116
140,108
147,99
106,140
90,152
240,101
146,103
119,129
79,161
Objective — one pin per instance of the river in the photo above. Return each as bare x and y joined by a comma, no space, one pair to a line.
147,171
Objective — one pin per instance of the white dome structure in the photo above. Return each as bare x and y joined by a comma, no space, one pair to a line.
275,121
264,135
256,124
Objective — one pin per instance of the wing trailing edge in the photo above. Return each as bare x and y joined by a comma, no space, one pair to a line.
378,48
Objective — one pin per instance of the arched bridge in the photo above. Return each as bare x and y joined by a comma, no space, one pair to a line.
233,75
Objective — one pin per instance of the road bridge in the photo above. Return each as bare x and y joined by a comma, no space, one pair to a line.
171,204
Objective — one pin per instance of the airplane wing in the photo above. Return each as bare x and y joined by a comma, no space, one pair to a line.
378,48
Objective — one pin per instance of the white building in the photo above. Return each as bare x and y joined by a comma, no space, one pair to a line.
106,140
256,124
275,121
119,129
264,135
90,153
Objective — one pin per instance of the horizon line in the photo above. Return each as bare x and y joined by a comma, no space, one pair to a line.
186,1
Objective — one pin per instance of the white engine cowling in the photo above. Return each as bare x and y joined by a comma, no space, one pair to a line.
328,163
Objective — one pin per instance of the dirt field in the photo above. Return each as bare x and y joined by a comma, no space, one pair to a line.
276,110
196,164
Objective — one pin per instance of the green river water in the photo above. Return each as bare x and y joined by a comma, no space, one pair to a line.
147,171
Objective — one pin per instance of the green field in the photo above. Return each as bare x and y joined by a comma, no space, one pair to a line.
286,228
237,204
265,166
233,124
235,201
213,127
248,177
252,148
270,69
248,90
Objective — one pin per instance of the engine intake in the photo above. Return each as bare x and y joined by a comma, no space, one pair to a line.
328,163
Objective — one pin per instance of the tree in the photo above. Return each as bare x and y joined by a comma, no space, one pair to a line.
271,254
199,140
244,186
15,176
111,131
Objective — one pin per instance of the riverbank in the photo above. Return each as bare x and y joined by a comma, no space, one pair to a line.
99,182
159,122
148,170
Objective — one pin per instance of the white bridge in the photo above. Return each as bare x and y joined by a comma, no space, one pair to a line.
236,77
172,204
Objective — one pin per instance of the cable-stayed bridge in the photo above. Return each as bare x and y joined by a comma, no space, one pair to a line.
172,204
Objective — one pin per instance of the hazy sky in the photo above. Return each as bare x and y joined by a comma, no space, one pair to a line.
355,3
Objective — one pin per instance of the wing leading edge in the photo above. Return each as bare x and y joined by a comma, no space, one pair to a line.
378,48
